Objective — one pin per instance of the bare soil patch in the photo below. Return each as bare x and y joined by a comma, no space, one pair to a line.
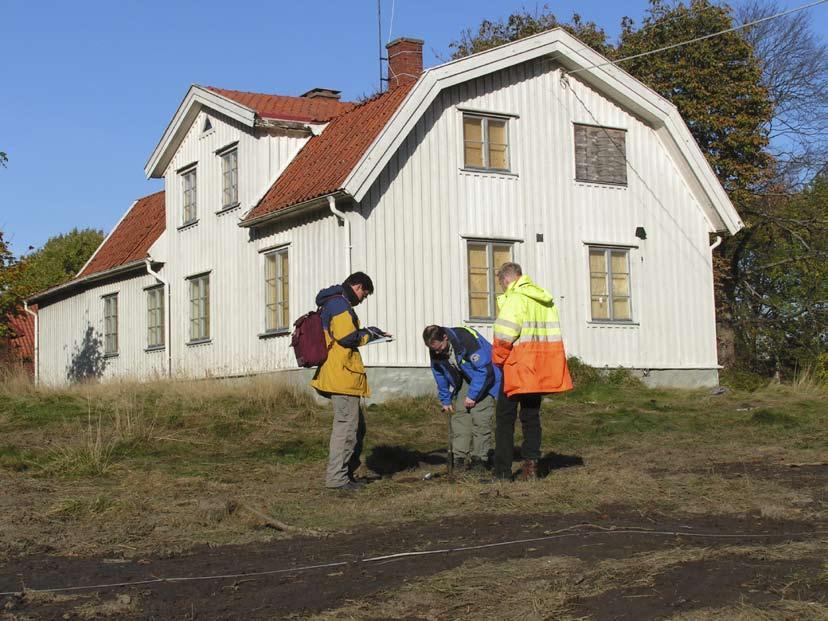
291,590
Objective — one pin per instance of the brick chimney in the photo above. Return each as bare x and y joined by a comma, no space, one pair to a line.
405,61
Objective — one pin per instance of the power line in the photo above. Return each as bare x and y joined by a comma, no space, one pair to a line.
697,39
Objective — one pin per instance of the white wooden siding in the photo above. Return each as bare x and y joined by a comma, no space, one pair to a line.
415,217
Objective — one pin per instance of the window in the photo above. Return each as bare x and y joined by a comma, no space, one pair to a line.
189,184
155,317
208,126
200,308
230,178
486,142
277,309
609,284
600,154
110,324
484,260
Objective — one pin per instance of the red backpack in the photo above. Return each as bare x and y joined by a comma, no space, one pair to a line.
308,339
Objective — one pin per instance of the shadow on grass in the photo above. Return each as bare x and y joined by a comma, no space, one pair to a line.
386,460
552,461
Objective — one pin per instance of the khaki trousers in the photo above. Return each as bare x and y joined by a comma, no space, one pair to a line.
347,435
472,431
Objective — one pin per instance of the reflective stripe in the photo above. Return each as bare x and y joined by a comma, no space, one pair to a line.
539,338
552,325
541,331
505,336
505,323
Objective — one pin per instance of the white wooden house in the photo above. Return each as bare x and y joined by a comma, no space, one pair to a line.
538,150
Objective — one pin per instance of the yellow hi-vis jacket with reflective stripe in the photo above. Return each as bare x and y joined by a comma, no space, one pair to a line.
527,341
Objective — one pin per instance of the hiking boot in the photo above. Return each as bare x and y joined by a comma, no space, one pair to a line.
477,465
460,464
529,472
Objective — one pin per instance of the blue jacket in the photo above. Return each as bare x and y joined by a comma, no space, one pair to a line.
472,364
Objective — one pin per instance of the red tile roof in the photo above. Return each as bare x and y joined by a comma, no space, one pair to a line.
308,109
326,160
22,345
132,238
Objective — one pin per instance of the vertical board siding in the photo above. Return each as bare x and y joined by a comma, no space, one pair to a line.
423,204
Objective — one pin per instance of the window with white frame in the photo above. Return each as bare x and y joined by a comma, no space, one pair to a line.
484,259
277,307
485,142
600,154
155,317
609,284
110,324
189,199
230,178
200,308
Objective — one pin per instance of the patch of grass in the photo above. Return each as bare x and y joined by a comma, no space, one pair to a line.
17,460
81,508
773,417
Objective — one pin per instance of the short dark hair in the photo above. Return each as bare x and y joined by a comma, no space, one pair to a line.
433,333
360,278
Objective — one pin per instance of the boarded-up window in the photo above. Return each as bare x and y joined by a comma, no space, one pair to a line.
485,142
230,178
277,308
484,259
200,308
111,324
155,317
609,284
188,180
600,154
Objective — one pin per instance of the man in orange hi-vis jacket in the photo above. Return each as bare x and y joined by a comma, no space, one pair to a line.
528,346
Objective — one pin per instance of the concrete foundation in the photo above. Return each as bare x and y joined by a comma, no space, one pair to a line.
389,383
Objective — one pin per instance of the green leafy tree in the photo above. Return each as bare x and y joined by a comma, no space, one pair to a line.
525,24
3,159
10,296
59,260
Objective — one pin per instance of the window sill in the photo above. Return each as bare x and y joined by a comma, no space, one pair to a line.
613,324
272,333
112,355
487,172
228,208
155,348
480,321
188,225
199,342
601,184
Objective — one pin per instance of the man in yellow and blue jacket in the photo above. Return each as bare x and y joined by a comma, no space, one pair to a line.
342,376
529,348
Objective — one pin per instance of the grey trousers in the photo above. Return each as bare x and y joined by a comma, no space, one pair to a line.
347,435
472,431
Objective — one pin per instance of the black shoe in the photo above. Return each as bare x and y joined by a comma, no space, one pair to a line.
358,482
460,464
477,465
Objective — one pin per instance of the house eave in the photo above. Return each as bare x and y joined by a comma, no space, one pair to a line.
197,97
279,214
120,270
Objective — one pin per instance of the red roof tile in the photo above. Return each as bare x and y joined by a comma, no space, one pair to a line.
22,345
326,160
319,109
132,238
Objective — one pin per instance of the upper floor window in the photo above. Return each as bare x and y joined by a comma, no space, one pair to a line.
155,317
200,308
277,307
188,180
485,142
600,154
230,178
110,324
609,284
485,257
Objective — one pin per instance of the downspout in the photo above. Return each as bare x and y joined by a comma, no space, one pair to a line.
341,215
715,244
36,343
167,343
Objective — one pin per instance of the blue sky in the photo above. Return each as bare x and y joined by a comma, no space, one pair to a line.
87,88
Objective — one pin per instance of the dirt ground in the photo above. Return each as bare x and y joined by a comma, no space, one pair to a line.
302,576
